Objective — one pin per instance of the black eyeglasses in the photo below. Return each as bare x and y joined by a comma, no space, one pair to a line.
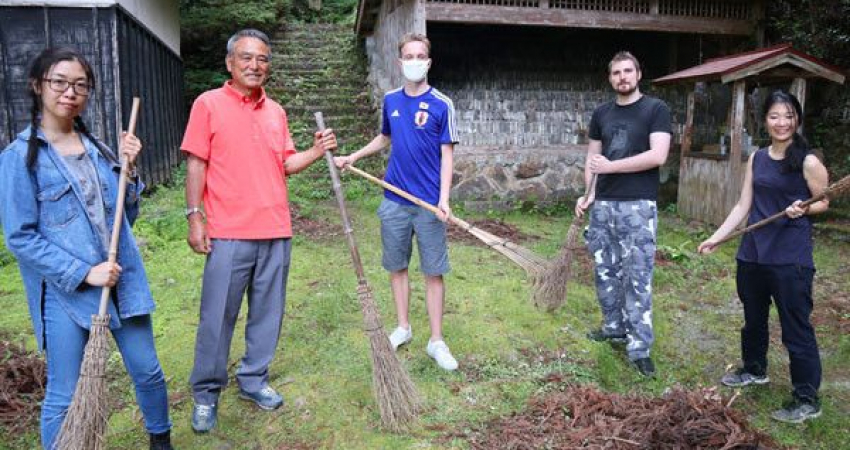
60,85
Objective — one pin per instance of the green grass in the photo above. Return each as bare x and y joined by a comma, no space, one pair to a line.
504,345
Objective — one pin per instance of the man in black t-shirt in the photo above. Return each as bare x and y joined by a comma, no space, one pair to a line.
629,141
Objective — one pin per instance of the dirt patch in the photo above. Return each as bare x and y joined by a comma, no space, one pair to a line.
315,230
584,417
493,226
832,306
22,380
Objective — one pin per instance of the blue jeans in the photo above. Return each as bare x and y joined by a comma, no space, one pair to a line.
65,343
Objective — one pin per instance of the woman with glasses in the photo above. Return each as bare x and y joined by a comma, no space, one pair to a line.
58,188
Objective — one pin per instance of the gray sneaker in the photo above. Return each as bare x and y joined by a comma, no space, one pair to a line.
740,377
266,398
203,418
797,411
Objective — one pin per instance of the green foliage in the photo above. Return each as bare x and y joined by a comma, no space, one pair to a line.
817,27
6,256
205,27
332,11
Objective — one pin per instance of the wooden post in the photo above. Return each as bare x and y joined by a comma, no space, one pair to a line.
688,134
685,149
798,89
736,126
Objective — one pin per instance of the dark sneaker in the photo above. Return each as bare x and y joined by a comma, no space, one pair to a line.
645,366
797,411
266,398
600,335
161,441
740,377
203,418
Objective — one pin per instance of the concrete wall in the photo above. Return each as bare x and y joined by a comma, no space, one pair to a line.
161,17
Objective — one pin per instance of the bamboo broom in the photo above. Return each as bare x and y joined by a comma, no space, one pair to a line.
834,190
525,258
550,286
398,400
84,427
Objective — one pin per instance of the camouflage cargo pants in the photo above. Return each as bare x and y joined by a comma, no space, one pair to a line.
621,240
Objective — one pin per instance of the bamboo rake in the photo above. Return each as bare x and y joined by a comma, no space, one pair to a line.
835,190
84,427
398,400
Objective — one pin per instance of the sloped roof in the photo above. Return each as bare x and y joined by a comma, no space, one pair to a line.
754,63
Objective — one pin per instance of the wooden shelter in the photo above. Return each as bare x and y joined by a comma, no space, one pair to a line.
134,48
710,177
526,75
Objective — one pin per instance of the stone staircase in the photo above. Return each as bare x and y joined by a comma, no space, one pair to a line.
321,67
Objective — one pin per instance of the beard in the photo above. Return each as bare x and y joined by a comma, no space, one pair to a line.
626,89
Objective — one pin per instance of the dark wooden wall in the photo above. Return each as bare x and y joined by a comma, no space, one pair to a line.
127,59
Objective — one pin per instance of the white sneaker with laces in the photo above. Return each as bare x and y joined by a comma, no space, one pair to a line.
401,336
440,352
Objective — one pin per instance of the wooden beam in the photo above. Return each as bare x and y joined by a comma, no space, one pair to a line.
786,58
511,15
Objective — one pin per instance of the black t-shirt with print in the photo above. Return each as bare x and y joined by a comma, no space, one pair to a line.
624,132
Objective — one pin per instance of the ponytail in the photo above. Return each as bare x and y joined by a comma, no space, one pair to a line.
797,152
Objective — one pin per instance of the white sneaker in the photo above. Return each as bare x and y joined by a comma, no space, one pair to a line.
400,336
440,352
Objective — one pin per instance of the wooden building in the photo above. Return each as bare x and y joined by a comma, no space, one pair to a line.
525,75
134,47
723,124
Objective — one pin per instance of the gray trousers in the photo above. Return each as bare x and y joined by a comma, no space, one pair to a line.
259,267
621,239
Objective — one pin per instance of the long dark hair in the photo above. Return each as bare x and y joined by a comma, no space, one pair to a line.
39,69
799,147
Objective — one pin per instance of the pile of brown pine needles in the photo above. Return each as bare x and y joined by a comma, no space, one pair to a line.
22,380
585,417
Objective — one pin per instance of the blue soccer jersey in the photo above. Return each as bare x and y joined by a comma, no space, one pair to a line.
418,126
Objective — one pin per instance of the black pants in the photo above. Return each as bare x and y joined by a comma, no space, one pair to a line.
790,286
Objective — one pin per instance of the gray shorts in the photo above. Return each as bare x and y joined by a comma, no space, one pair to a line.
399,223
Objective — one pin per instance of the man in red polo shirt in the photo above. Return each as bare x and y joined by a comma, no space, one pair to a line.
239,154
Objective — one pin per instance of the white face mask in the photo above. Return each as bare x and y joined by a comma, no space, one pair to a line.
415,69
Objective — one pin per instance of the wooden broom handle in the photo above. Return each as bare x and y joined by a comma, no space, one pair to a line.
416,200
835,189
343,211
119,206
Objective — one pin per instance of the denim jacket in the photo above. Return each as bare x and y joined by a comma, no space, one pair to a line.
46,227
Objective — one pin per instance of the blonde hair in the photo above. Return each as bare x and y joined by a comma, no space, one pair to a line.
414,37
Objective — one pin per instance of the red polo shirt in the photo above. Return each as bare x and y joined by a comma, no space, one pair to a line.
244,144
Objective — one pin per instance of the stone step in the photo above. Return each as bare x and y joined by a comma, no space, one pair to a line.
335,92
311,64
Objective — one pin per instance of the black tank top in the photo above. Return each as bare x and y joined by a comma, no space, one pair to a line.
784,241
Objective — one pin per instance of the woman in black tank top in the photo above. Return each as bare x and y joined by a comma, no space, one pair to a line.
775,262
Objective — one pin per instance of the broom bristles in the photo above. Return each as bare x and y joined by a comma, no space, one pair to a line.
550,286
84,427
396,395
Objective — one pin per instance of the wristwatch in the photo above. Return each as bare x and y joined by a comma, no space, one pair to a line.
195,209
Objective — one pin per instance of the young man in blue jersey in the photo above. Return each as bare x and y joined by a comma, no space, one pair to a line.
419,122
